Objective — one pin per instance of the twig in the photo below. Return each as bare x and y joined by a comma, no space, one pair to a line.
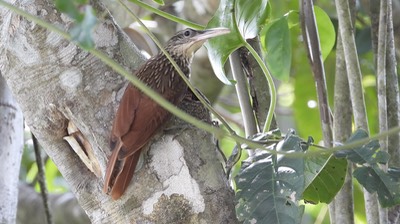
42,179
311,40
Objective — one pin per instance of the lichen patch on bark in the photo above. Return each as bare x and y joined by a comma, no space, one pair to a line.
70,79
174,175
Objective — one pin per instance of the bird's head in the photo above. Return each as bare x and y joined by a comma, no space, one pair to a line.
188,41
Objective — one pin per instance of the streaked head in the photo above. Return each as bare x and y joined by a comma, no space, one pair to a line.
188,41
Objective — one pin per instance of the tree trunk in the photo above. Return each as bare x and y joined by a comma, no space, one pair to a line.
11,142
56,82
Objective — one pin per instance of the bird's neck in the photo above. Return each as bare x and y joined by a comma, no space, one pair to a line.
159,73
182,61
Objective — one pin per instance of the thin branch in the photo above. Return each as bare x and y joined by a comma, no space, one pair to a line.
381,85
243,94
242,91
381,72
393,101
42,180
311,40
392,94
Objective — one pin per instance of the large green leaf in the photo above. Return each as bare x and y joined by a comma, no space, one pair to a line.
249,15
279,51
367,153
370,175
385,184
269,187
219,48
325,177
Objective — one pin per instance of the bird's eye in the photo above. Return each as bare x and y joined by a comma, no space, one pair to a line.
186,33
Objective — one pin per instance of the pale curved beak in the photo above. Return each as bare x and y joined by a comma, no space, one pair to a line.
209,33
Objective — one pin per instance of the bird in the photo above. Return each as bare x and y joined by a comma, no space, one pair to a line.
138,117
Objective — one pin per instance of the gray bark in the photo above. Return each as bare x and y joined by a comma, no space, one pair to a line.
11,145
56,82
341,209
356,91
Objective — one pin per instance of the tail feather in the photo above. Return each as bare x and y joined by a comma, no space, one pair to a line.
125,175
111,167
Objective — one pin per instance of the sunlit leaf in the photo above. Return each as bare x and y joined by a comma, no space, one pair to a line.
279,51
326,31
325,177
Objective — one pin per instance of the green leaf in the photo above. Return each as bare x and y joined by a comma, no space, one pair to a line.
325,177
367,153
268,188
386,185
370,175
82,32
326,31
249,15
218,49
279,51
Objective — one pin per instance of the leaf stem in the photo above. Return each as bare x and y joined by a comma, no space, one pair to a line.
267,74
271,86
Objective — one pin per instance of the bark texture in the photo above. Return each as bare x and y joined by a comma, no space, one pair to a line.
56,82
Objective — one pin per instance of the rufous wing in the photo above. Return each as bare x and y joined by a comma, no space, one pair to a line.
137,120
